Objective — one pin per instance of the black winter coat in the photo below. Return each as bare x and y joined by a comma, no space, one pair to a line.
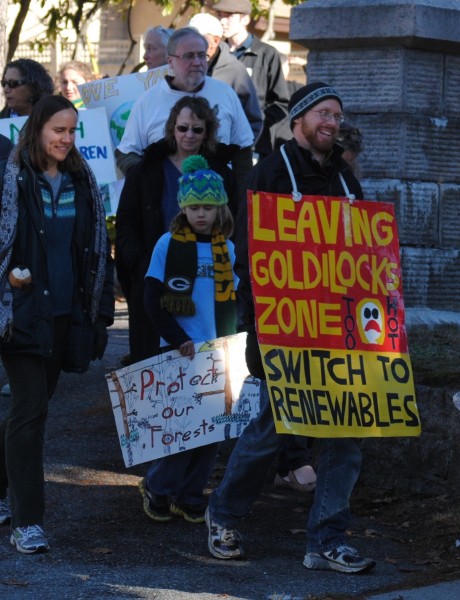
32,306
271,175
139,222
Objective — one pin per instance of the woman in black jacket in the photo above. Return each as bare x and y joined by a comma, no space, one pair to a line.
56,298
24,82
148,203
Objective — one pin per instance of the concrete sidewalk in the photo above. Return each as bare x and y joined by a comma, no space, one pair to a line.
441,591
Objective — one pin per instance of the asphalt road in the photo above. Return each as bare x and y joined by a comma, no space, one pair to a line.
104,546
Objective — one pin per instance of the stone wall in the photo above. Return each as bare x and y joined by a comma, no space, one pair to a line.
397,67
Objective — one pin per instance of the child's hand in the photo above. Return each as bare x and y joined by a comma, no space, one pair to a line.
187,349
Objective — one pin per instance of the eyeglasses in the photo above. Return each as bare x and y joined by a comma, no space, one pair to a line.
327,116
12,83
196,130
189,56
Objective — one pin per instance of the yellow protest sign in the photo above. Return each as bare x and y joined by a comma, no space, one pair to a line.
326,280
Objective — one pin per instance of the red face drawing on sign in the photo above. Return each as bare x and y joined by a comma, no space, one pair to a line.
370,321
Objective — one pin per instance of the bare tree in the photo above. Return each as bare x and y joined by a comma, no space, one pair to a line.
13,38
3,42
76,14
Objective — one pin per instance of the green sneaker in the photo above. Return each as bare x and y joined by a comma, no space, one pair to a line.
155,507
190,512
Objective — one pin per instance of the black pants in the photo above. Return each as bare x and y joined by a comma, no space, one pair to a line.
143,339
33,380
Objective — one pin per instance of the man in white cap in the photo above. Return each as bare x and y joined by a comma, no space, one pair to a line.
310,163
262,62
224,66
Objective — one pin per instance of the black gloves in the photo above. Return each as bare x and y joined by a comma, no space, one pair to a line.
101,337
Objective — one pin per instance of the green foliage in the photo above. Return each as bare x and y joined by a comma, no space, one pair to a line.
110,222
74,14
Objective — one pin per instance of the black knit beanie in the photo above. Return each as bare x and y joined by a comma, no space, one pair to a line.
308,96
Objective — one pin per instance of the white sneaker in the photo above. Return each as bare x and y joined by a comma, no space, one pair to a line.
6,390
223,542
29,540
344,559
5,511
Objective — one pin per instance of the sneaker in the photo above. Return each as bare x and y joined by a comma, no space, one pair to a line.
155,507
191,513
223,542
29,540
5,511
343,558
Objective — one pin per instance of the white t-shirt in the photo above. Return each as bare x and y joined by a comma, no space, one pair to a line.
201,326
150,112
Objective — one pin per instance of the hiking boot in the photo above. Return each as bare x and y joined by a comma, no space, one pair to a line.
5,511
155,507
343,558
190,512
223,542
29,539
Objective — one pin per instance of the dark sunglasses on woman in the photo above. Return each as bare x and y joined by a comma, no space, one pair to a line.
12,83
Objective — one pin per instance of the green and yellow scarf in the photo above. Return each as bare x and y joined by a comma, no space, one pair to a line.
180,274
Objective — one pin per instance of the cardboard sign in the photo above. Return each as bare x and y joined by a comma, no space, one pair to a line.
118,95
326,280
169,403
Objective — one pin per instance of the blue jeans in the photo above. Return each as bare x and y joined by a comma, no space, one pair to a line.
183,475
338,470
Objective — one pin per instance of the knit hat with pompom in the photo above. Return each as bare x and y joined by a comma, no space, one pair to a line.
199,184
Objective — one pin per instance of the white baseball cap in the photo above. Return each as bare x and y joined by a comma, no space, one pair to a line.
206,24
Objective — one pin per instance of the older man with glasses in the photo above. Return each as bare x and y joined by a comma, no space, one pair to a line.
187,57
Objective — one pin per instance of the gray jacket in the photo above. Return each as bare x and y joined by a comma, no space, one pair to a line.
227,68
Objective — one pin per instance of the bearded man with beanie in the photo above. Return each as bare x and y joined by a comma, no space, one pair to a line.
308,164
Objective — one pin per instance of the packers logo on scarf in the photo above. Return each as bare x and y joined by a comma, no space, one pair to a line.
180,274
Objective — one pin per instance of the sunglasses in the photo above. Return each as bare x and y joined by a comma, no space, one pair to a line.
12,83
196,130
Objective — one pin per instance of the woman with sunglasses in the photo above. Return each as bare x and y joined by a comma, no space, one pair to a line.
148,203
56,301
24,82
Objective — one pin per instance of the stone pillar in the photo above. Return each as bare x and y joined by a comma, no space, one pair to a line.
397,66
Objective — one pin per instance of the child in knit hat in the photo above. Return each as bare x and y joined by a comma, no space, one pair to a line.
190,297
